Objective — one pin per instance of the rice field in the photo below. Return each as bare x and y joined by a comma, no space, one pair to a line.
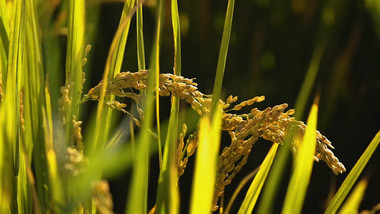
157,106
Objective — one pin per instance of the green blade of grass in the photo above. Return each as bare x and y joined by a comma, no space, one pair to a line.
258,182
274,178
205,164
303,166
4,41
140,39
31,131
140,59
4,25
103,116
242,183
137,201
168,193
351,178
74,56
158,121
52,53
222,56
352,204
6,162
22,191
117,57
307,84
10,107
116,60
55,181
177,38
157,83
24,204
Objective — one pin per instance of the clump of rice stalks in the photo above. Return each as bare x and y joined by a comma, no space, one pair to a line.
272,124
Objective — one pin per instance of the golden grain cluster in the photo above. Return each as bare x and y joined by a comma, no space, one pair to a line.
272,124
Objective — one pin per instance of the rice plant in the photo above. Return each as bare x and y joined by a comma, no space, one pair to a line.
68,127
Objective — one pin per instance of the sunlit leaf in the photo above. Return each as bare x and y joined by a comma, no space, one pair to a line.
258,182
351,206
353,176
303,166
205,165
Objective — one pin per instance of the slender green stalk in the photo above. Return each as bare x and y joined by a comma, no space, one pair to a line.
205,164
177,38
277,172
352,203
137,202
350,180
303,166
117,57
158,121
157,82
258,182
9,149
242,183
275,176
222,56
140,38
33,93
308,83
168,193
140,61
116,60
4,41
103,116
74,55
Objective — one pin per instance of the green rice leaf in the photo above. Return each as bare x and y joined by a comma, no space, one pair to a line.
275,177
307,84
222,56
158,121
55,180
205,164
9,109
113,67
303,166
277,172
140,38
4,39
258,182
114,61
177,37
117,57
33,94
140,58
242,183
168,193
74,55
4,24
351,206
138,194
351,178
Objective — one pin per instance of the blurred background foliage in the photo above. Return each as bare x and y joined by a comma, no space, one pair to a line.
273,46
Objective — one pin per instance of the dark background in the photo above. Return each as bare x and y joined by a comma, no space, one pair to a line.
271,47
